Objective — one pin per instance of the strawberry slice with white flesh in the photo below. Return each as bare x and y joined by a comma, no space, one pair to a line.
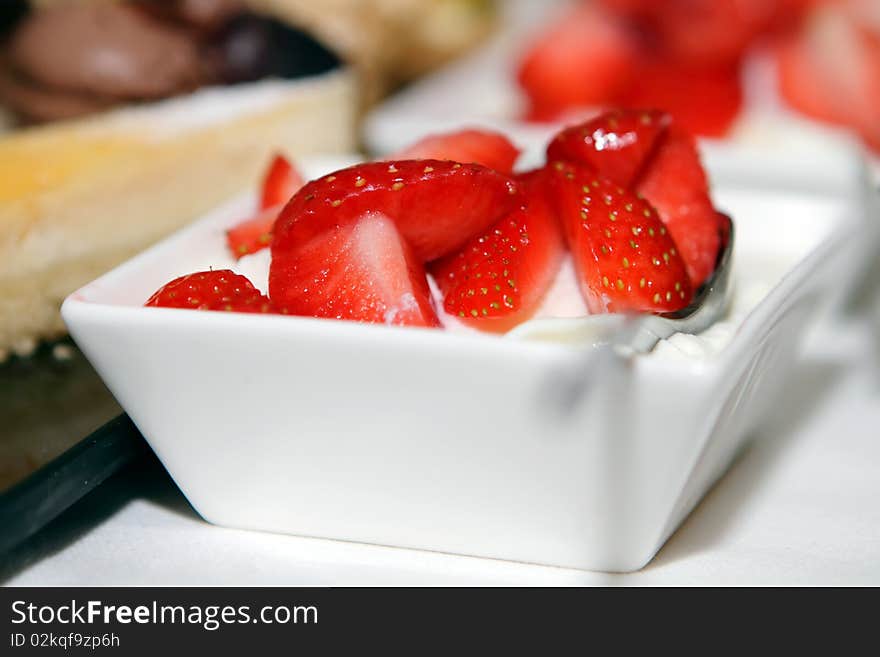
360,270
436,205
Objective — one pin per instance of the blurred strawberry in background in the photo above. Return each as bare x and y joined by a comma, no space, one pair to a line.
587,58
830,68
705,99
708,32
686,56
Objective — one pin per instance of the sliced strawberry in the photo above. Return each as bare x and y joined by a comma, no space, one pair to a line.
491,149
704,99
500,277
281,182
585,58
436,205
219,289
616,144
360,270
624,256
253,234
675,184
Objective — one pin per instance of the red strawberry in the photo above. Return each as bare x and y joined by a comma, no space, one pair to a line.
360,270
252,234
803,85
491,149
711,31
616,144
831,69
630,8
219,289
675,184
436,205
585,58
499,278
704,99
788,14
625,258
281,182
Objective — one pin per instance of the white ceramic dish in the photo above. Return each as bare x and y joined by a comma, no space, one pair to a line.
465,443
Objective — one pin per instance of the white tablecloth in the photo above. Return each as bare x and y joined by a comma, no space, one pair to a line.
801,506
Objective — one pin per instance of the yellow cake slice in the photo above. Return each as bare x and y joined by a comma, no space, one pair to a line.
78,197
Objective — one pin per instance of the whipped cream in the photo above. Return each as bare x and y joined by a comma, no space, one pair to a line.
752,281
751,284
255,267
563,299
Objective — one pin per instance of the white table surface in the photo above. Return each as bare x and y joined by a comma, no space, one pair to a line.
801,506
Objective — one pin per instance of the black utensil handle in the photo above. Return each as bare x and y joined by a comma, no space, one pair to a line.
40,498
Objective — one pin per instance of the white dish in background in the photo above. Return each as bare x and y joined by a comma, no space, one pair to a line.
465,443
480,90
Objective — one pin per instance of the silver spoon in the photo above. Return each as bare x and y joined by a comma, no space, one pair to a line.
619,337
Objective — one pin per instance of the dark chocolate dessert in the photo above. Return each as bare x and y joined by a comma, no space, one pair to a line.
76,59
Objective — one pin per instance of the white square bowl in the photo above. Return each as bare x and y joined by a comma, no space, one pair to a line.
458,443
